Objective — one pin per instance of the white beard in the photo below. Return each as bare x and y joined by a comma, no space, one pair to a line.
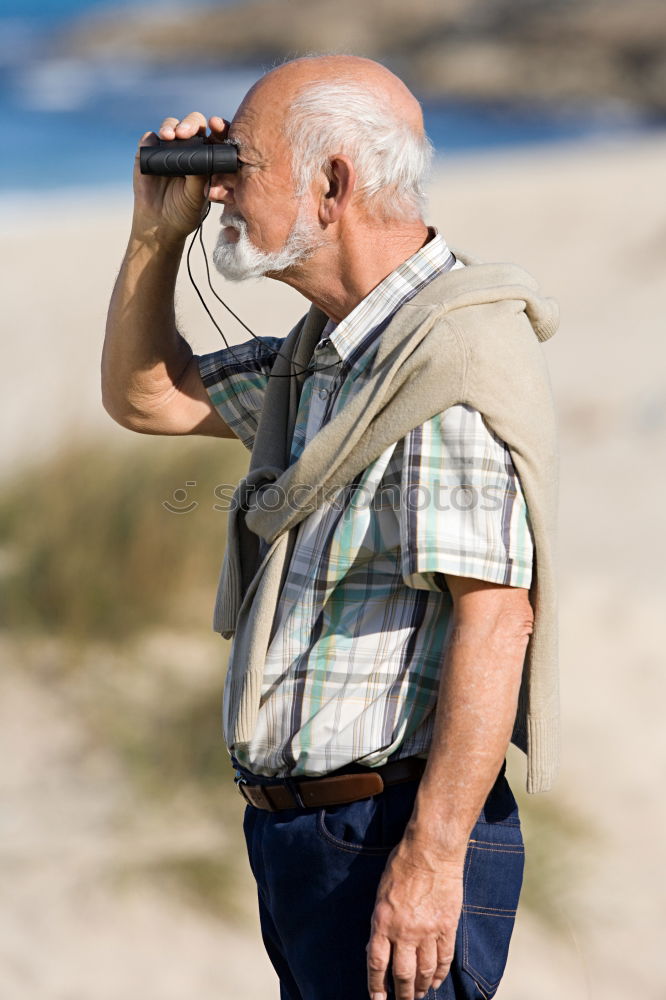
242,260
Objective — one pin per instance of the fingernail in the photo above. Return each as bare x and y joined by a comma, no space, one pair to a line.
379,996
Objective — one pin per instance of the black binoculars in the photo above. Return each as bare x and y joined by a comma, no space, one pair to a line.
178,157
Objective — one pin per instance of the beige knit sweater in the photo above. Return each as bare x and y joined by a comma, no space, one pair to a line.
470,336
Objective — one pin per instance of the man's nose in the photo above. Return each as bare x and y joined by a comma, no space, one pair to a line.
221,189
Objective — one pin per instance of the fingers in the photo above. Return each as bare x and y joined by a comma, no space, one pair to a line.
191,125
167,129
426,967
219,128
186,128
415,970
379,953
404,971
148,139
444,959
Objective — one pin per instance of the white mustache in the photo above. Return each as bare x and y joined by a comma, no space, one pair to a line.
232,219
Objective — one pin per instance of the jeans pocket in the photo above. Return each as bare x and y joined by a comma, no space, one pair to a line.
369,826
492,882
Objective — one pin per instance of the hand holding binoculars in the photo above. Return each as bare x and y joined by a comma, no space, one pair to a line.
180,157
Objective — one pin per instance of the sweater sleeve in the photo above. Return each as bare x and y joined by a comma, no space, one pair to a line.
463,509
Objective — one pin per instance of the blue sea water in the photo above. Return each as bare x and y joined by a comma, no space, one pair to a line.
73,123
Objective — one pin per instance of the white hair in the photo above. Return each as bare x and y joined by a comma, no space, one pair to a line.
391,159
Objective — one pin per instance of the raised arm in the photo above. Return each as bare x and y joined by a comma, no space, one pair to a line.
150,377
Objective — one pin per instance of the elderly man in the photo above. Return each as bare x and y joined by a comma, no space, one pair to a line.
391,631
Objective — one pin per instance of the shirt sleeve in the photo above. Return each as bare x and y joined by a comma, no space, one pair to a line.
236,379
463,511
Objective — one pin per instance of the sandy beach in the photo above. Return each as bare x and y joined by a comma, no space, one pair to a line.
589,222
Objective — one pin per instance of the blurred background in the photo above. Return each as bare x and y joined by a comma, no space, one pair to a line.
122,868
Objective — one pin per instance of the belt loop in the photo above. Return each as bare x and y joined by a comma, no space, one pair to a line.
293,788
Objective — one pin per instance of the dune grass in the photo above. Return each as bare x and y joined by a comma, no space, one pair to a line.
89,549
93,567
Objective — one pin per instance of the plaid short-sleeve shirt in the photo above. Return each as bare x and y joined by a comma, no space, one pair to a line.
360,631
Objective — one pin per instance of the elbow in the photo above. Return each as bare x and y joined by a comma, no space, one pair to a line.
516,624
504,627
521,622
112,401
116,396
120,410
123,406
110,404
494,610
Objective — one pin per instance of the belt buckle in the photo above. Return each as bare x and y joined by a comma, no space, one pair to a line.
240,785
257,797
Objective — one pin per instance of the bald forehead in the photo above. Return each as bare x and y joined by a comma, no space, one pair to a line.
274,92
322,68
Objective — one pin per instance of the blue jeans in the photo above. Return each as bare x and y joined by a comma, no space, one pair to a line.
317,873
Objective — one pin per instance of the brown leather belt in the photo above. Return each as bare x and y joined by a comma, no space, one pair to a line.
307,793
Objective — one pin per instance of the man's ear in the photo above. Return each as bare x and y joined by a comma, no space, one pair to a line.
338,189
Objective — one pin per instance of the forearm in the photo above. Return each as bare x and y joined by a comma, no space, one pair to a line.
144,355
475,713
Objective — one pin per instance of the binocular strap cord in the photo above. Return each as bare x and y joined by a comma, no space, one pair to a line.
198,234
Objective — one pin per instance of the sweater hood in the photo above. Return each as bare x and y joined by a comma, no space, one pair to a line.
478,283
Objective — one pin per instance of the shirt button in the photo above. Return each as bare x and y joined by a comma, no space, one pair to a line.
323,393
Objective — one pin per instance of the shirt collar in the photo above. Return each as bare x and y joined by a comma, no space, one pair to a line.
400,285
